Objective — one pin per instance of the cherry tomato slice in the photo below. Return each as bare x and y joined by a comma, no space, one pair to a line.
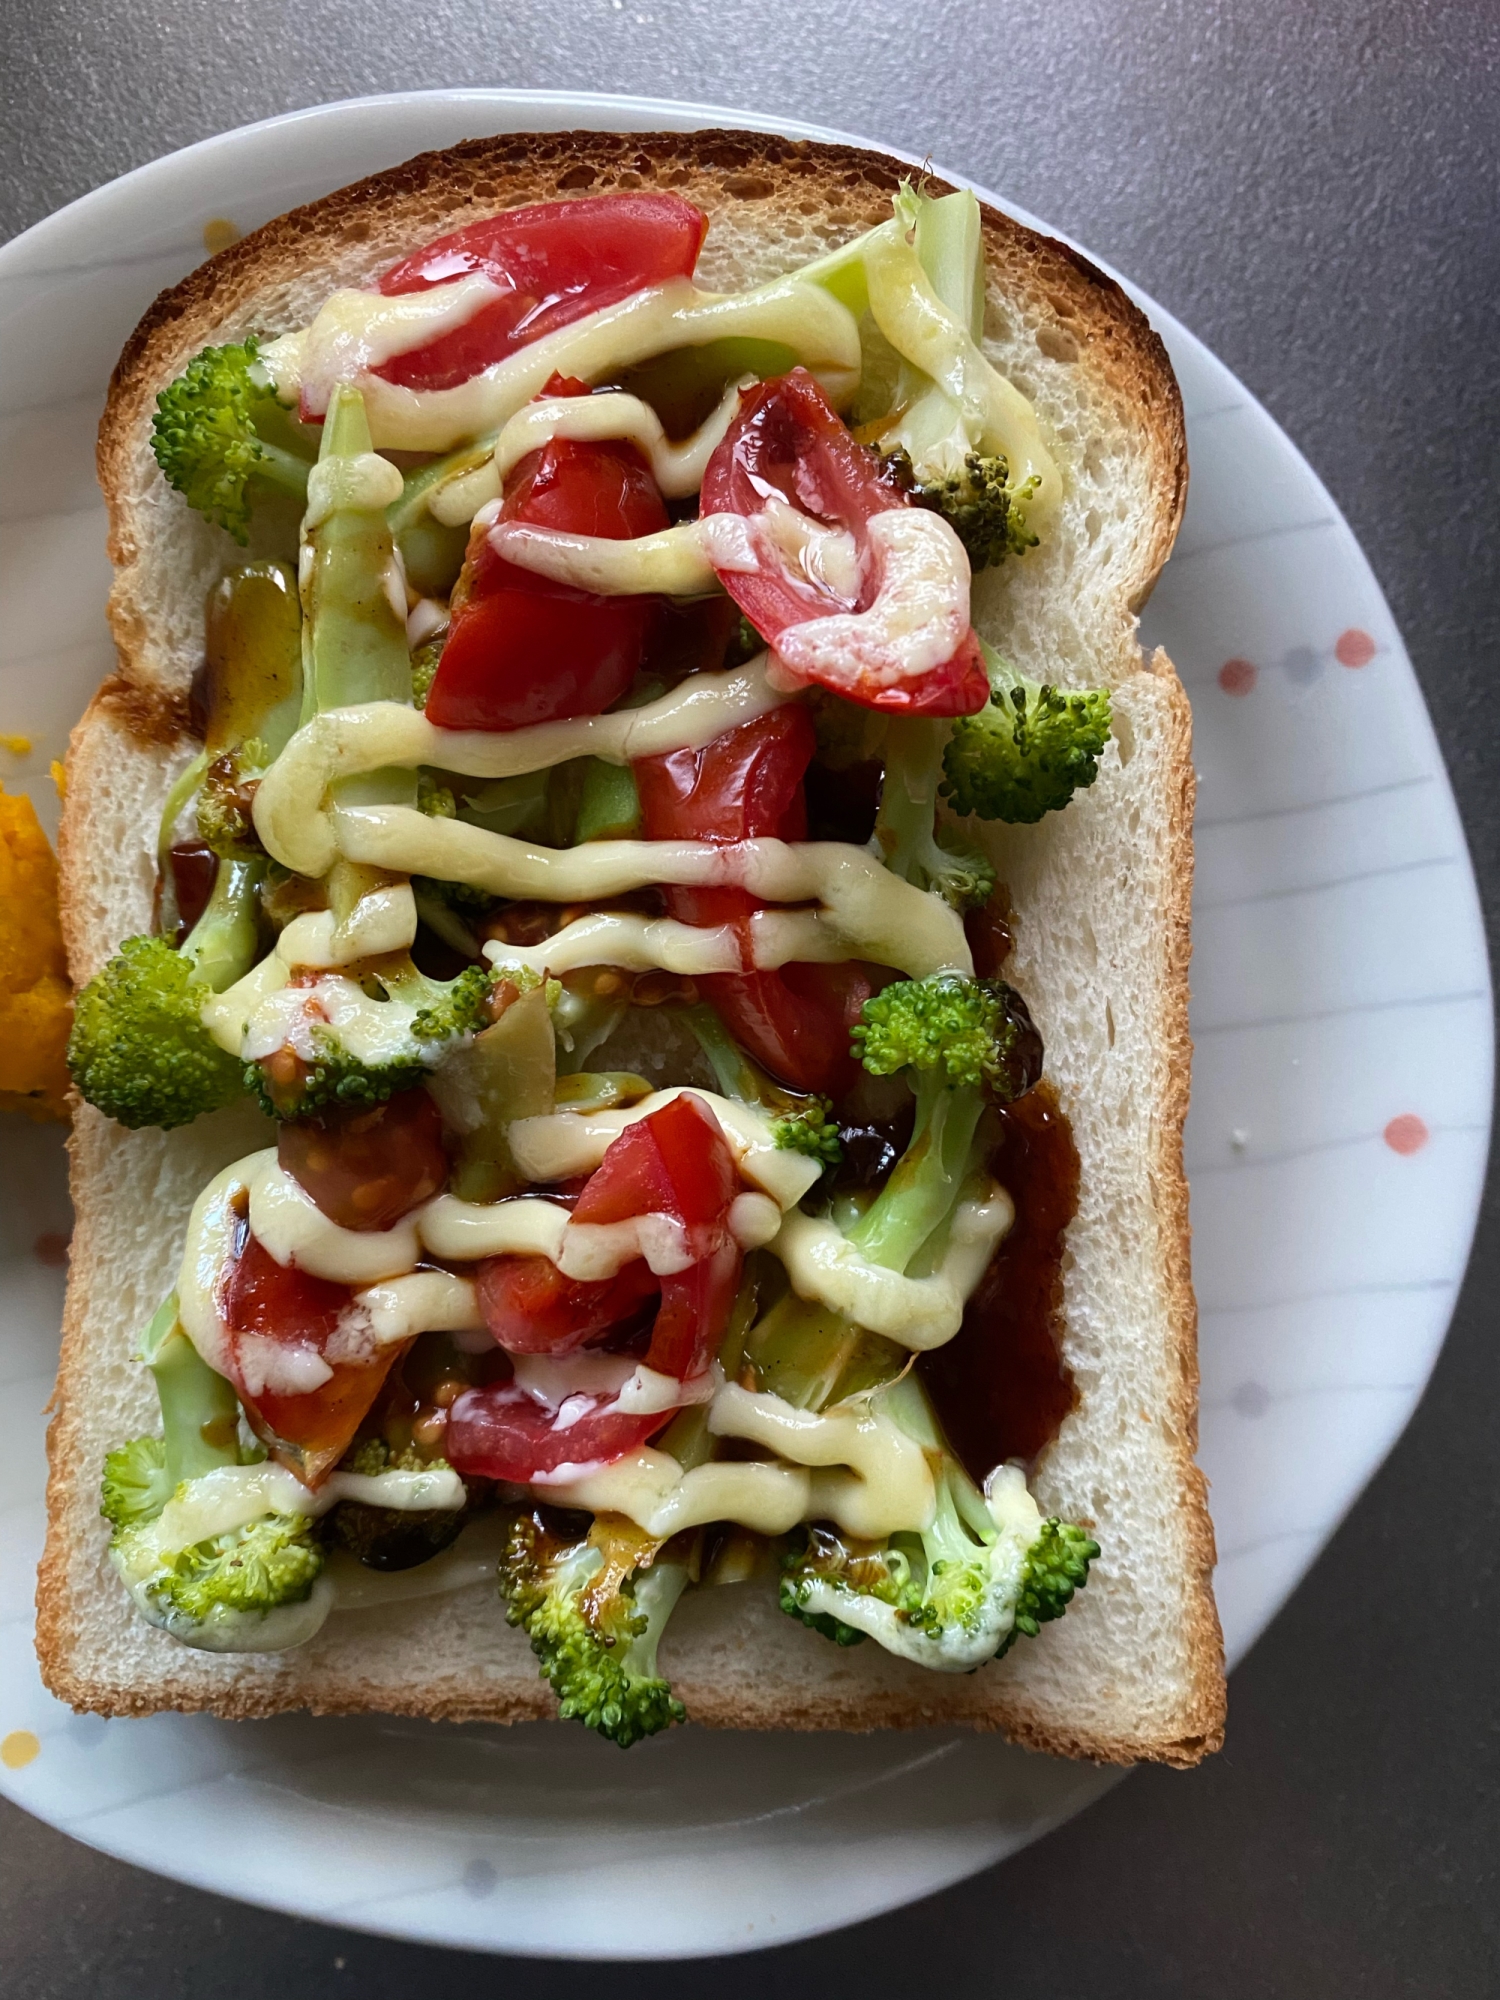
788,440
675,1162
694,1312
366,1168
523,649
531,1308
746,785
268,1307
500,1432
552,264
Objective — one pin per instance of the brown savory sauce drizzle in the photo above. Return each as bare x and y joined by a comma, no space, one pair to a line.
1001,1386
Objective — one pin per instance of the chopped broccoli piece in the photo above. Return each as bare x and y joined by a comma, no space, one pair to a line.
137,1484
228,1592
271,1561
1057,1564
812,1129
424,666
936,859
986,1569
594,1610
969,1031
986,513
226,799
207,436
435,1015
1027,752
139,1050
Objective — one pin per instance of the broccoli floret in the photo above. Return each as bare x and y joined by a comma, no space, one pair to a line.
985,1570
986,513
812,1129
137,1484
139,1050
424,666
272,1561
206,435
1027,752
1057,1564
229,1592
594,1609
967,1031
437,1013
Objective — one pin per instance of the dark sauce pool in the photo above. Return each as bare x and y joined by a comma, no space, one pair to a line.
1001,1386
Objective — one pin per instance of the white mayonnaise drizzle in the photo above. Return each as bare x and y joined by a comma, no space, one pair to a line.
677,468
356,332
291,816
919,1313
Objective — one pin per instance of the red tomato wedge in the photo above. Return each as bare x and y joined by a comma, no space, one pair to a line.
747,785
281,1321
523,649
676,1162
531,1308
888,604
365,1169
694,1314
500,1432
551,264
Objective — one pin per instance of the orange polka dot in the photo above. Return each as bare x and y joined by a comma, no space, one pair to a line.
1354,648
1406,1134
18,1749
1237,677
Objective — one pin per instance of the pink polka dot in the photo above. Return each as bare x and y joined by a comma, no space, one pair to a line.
1354,648
1406,1134
1237,677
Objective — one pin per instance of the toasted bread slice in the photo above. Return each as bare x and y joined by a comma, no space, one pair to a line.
1101,893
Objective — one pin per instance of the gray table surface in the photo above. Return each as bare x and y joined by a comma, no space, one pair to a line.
1312,188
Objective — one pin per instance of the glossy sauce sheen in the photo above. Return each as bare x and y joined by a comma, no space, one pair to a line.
1001,1386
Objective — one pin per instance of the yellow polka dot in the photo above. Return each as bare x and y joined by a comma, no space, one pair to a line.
18,1749
218,234
18,746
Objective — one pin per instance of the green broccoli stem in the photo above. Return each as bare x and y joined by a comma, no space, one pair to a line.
947,235
353,636
225,941
737,1076
908,795
200,1412
925,1182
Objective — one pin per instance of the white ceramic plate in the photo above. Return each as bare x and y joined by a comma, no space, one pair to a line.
1336,1148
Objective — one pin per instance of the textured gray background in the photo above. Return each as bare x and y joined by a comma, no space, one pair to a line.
1311,186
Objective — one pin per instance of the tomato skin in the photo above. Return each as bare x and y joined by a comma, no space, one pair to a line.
694,1313
675,1162
308,1432
365,1169
499,1432
747,785
531,1308
553,263
522,648
788,439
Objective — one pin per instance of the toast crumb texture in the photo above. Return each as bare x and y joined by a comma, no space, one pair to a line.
1102,893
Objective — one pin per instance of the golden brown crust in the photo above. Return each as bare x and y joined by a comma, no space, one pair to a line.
366,226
